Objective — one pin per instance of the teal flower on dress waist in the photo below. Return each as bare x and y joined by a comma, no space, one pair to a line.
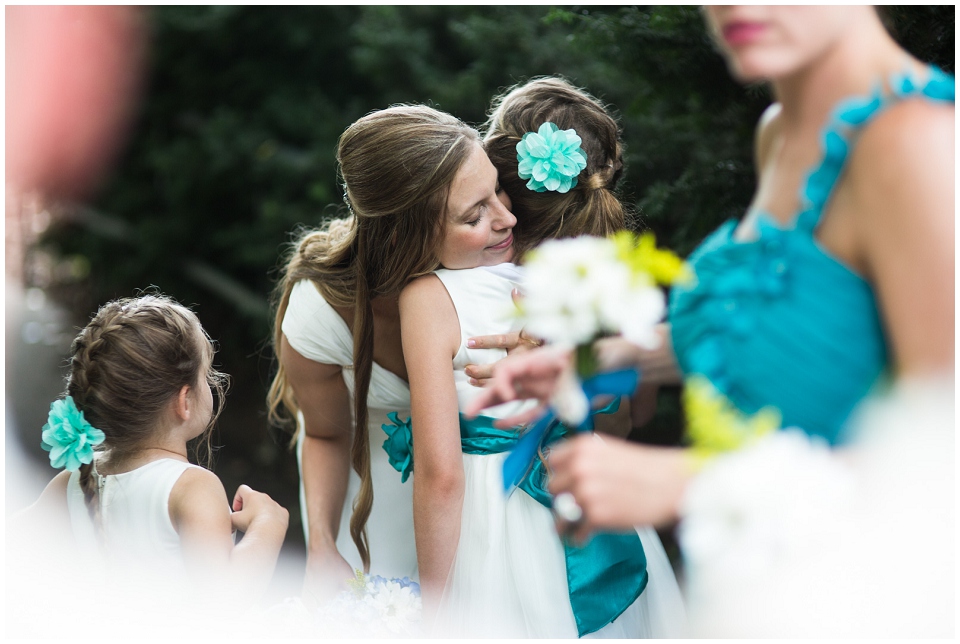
399,445
550,158
68,436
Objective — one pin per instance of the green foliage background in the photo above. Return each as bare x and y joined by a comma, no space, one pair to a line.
234,146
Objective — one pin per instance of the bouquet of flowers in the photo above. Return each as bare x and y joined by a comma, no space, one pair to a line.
581,289
373,607
576,291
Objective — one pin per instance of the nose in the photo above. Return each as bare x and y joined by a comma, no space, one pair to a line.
503,218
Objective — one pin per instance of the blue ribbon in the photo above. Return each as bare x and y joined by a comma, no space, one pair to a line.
604,576
524,455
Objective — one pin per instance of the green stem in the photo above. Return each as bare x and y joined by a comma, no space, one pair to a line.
586,361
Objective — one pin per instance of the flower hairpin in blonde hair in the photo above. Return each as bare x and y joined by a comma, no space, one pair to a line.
550,158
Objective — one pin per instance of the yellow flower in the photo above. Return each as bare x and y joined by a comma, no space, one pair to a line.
358,584
715,426
644,258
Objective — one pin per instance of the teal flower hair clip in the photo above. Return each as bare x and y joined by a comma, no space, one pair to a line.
550,158
68,436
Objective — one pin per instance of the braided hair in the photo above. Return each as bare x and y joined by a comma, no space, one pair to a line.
589,208
126,366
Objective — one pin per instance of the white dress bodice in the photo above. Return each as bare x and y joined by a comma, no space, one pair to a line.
482,298
136,529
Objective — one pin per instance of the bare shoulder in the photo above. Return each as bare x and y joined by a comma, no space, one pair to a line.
52,500
197,493
425,289
908,137
428,319
48,518
56,490
902,168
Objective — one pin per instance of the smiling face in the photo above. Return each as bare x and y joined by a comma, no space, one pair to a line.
479,224
771,42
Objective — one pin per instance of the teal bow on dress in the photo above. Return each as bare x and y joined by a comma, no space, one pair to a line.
605,576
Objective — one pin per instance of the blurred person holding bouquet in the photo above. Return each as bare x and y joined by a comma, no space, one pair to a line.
838,281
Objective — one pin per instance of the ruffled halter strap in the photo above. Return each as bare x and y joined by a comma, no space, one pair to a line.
845,124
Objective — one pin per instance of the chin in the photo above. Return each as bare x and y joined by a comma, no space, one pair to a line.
757,67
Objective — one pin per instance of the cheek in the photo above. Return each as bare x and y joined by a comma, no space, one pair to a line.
460,248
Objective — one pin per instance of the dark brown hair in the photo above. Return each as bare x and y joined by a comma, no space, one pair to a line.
591,207
396,166
126,366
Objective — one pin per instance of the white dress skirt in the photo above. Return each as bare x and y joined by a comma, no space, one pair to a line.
509,576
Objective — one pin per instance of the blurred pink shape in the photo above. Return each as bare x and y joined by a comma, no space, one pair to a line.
73,76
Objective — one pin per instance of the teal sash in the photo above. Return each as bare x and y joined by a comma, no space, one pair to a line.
605,576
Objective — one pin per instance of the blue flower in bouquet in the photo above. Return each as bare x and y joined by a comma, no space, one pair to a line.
550,158
68,436
374,607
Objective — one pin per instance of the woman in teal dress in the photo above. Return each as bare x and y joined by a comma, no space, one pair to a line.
839,279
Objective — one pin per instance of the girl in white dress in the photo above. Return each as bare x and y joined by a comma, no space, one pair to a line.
337,338
493,566
140,389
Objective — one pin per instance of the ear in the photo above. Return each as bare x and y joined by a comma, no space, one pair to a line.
181,403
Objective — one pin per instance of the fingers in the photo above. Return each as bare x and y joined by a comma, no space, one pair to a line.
502,341
520,419
487,398
479,372
527,341
242,491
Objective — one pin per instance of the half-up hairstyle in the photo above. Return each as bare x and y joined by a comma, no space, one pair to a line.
589,208
396,166
127,365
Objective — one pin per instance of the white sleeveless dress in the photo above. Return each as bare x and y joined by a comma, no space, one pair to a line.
316,331
138,537
509,578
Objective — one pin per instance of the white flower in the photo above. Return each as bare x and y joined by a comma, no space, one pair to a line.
385,608
576,289
756,512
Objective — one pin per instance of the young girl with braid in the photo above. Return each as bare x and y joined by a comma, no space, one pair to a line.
140,389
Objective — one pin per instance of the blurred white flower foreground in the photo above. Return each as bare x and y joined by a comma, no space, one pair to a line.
788,539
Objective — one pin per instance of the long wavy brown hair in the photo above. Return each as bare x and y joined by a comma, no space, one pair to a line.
396,166
592,206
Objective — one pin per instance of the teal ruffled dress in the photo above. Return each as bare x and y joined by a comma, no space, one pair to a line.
778,321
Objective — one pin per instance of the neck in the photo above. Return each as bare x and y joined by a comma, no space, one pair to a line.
179,453
114,463
851,67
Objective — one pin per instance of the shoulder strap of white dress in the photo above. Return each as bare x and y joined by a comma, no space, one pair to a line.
314,328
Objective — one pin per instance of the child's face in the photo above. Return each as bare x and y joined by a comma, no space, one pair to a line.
202,391
770,42
479,226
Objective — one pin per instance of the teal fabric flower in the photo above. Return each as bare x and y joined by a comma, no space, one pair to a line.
399,445
68,436
550,158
